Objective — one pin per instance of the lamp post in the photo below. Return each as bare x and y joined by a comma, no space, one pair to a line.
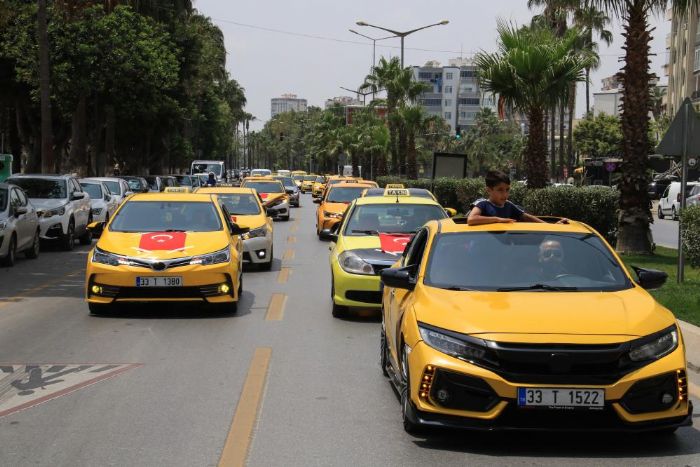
402,34
358,94
374,44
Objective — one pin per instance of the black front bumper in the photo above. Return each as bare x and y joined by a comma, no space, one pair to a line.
514,419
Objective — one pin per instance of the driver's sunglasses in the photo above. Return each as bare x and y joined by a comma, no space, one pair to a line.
552,254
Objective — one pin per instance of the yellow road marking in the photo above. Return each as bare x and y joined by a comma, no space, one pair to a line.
288,255
283,276
275,310
693,389
291,239
240,434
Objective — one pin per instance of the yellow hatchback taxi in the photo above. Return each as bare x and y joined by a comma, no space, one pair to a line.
166,247
529,326
372,237
272,194
246,210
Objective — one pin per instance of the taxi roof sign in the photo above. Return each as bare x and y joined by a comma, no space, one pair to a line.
395,185
396,192
178,189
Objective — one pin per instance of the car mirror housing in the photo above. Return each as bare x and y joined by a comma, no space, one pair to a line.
650,279
238,230
328,234
20,210
77,196
398,278
451,212
317,200
96,228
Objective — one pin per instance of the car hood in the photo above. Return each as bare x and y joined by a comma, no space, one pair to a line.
338,208
43,204
162,245
268,198
533,316
252,221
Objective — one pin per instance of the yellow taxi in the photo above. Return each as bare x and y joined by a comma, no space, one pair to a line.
529,326
307,183
274,197
420,192
334,180
370,238
166,247
318,186
298,177
246,210
335,202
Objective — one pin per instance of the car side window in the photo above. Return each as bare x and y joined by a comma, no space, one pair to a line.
415,250
76,185
23,201
665,195
14,199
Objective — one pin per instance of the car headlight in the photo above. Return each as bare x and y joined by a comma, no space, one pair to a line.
54,212
352,263
332,215
110,259
97,211
221,256
655,346
452,346
259,232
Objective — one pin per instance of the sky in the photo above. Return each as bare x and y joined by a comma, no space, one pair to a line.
315,54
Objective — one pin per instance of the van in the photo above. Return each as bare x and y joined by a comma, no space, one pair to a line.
670,202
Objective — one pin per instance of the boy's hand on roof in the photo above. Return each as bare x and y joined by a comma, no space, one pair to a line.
563,221
506,220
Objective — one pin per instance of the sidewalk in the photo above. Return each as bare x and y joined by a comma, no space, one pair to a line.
691,337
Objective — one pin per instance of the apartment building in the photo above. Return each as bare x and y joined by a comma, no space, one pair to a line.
287,103
683,59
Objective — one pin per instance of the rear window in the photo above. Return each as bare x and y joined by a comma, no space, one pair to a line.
265,187
344,194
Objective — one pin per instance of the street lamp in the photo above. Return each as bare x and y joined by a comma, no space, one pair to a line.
359,93
374,44
403,34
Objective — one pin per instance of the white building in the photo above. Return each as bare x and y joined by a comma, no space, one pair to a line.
287,103
342,100
607,102
455,94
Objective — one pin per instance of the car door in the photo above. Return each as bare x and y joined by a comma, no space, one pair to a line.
664,203
399,298
26,222
82,207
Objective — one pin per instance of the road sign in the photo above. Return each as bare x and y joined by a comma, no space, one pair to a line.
610,166
692,162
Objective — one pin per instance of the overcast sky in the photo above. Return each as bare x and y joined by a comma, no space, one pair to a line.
268,63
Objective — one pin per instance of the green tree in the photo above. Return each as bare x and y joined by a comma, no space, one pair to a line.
599,136
592,22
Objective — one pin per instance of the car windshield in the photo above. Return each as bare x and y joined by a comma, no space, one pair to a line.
298,177
92,189
206,168
134,184
3,199
184,180
42,188
344,194
114,187
166,216
152,182
309,178
391,218
286,181
260,173
512,261
240,204
320,179
265,187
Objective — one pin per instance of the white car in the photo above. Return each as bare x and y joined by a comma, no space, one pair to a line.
102,201
694,196
19,225
62,206
117,186
670,202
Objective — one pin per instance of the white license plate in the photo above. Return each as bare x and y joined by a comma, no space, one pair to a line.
561,397
159,281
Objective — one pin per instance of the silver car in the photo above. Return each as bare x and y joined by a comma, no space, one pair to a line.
19,225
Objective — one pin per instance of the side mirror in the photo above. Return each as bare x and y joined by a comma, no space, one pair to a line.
128,193
317,200
451,212
328,234
398,278
20,210
77,196
238,230
650,279
96,228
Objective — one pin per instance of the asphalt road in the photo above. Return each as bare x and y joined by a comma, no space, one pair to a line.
281,383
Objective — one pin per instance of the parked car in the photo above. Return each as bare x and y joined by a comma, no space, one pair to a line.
136,184
102,201
670,202
62,206
291,188
694,196
155,183
191,181
19,225
117,186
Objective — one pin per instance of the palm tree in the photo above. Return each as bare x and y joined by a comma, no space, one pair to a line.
531,72
592,21
413,120
657,101
633,229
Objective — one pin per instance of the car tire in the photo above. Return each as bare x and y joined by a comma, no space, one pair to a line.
86,237
268,266
383,352
408,426
99,309
68,239
338,311
660,213
33,251
9,259
674,214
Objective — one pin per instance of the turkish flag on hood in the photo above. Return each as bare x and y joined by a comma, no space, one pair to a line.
394,243
163,241
263,195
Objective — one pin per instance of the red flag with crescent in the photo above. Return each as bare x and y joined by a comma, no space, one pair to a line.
394,243
163,241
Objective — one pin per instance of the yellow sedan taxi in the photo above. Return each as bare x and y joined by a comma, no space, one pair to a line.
307,183
272,194
318,186
246,210
166,247
529,326
335,202
372,237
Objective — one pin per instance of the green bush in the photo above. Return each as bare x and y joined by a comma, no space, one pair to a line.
597,206
690,224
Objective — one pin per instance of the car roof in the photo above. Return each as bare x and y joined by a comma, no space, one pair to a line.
359,184
459,224
396,199
44,176
224,190
171,196
413,191
103,179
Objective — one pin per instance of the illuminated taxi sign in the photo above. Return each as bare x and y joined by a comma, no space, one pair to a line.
350,180
396,192
395,185
178,189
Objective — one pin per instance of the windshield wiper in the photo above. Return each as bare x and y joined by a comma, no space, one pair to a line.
552,288
367,232
457,288
174,230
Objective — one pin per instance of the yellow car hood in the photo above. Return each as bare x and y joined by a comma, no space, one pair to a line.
267,198
145,245
582,317
338,208
252,221
360,242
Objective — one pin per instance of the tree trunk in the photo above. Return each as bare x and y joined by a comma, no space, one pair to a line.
355,164
570,131
536,151
560,169
588,90
381,164
104,158
633,227
403,145
552,141
27,135
411,168
47,160
78,140
393,142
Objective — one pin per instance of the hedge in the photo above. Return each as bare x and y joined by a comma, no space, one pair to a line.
690,234
597,206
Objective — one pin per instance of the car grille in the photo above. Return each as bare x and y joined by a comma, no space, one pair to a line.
159,265
364,296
